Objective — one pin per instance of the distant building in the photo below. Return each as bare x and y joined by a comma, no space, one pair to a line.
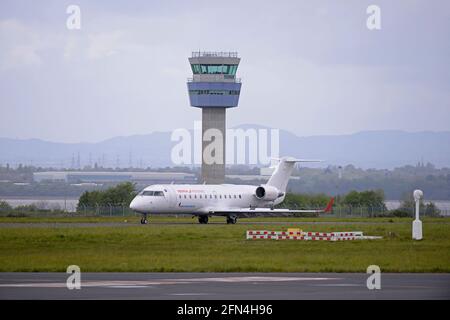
254,177
268,171
114,177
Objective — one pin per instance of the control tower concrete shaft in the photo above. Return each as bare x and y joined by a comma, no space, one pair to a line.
214,88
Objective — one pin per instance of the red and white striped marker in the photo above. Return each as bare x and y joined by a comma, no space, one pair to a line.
311,236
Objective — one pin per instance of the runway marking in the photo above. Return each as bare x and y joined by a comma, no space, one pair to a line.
338,285
189,294
128,287
145,283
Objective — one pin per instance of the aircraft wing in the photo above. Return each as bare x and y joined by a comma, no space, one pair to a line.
248,212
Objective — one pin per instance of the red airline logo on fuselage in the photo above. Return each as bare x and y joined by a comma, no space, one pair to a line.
190,191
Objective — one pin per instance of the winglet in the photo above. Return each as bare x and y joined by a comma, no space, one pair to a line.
329,206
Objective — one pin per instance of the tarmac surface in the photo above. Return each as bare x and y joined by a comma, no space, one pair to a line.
224,286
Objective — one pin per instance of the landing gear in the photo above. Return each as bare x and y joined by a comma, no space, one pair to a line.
231,219
203,219
144,219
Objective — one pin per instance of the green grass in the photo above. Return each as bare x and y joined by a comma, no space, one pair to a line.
189,219
222,248
70,219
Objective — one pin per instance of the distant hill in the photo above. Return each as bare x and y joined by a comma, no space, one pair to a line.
368,149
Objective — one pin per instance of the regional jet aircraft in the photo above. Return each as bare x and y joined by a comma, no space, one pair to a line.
228,200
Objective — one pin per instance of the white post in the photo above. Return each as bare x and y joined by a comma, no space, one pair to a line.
417,224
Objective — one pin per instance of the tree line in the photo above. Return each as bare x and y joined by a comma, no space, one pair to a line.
119,195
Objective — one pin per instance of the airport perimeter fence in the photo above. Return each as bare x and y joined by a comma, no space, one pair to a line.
124,210
346,211
105,211
342,211
79,211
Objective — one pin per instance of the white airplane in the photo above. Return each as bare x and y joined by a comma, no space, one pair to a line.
229,200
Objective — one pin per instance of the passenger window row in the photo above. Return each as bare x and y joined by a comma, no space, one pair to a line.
229,196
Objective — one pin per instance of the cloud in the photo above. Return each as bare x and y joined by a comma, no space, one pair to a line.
306,67
94,46
19,45
103,45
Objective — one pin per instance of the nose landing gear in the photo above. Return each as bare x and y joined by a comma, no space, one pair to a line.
144,219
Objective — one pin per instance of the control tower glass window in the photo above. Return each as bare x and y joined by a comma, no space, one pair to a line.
195,68
214,69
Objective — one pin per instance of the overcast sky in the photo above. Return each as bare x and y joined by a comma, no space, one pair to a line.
311,67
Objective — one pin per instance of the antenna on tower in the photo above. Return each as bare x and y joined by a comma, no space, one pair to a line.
78,161
130,160
72,162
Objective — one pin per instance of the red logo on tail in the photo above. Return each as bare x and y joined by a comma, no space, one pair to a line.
329,206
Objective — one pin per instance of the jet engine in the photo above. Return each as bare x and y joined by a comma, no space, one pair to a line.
268,193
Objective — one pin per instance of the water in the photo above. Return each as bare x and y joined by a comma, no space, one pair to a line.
443,205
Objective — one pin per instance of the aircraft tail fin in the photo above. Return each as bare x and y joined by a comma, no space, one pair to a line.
280,177
329,206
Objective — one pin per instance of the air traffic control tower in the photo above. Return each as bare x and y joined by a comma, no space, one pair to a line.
214,88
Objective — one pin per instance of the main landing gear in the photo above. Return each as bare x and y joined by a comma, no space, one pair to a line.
203,219
144,219
231,219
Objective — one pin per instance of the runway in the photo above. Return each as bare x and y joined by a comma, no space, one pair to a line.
224,286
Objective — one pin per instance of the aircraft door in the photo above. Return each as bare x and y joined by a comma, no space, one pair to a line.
170,196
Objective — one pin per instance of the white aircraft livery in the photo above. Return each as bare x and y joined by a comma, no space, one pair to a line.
229,200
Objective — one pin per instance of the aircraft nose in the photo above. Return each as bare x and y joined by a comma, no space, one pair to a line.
139,205
134,204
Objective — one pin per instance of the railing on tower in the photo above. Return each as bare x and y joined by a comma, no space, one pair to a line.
236,80
219,54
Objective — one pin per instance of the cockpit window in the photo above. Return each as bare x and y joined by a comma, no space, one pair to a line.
152,193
